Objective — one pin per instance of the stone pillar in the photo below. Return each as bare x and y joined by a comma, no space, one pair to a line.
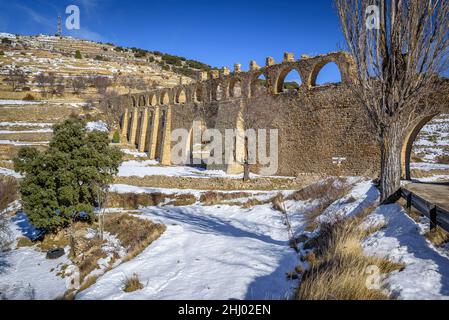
253,65
269,61
289,57
143,130
166,140
237,68
225,71
124,128
153,134
135,118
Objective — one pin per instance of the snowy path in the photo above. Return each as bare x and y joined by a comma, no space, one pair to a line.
218,252
426,275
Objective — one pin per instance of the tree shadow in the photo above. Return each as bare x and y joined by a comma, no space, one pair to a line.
204,223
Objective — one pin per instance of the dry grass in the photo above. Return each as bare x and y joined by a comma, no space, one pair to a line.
51,241
442,159
183,200
134,233
131,284
211,198
24,242
133,201
437,236
327,192
339,266
415,173
86,284
8,191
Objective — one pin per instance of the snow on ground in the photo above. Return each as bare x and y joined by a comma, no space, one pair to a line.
97,126
135,153
216,252
25,143
135,168
426,275
25,273
9,172
18,102
428,166
25,124
48,130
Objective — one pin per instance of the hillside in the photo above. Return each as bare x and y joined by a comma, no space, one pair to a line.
24,58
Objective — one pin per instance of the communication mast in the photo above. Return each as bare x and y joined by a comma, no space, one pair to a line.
59,31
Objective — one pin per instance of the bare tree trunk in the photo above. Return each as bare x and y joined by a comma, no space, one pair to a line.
246,170
390,170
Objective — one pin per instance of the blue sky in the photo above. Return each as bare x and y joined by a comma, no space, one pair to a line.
217,32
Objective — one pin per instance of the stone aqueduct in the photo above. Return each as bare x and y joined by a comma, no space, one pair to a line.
317,124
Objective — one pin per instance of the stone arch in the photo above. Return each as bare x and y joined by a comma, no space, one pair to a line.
284,73
142,101
198,93
152,100
259,84
164,98
181,96
133,101
407,145
316,69
235,88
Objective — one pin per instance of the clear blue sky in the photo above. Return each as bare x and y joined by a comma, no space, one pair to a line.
217,32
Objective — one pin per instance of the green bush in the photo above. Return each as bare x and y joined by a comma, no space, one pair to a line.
116,137
66,179
78,55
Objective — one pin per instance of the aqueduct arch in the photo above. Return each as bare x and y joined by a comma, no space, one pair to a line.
316,125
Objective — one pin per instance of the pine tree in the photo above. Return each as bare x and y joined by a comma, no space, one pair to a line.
64,181
78,55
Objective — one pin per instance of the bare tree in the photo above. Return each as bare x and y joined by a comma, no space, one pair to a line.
397,63
102,83
16,78
41,80
79,84
112,111
50,79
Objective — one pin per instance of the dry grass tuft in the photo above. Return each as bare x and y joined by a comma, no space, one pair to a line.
8,191
339,266
183,200
437,236
133,201
134,233
86,284
442,159
211,198
24,242
331,188
131,284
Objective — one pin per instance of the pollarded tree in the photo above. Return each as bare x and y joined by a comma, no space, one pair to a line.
400,47
65,180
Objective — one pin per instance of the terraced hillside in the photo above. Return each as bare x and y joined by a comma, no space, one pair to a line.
24,58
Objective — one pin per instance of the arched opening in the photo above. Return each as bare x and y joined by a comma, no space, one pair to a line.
164,99
199,94
289,79
425,153
152,100
196,147
181,97
141,101
259,85
326,74
235,88
133,101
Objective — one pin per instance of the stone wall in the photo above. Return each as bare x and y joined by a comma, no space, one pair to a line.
317,124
